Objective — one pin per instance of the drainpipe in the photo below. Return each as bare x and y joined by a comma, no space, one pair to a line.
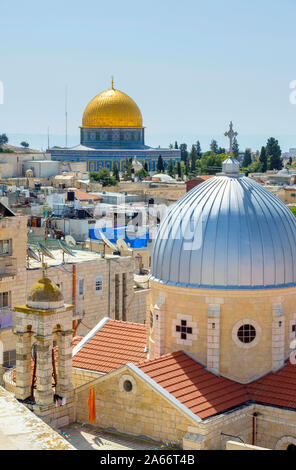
74,296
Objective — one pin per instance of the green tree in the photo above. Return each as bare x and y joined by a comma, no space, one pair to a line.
254,167
274,152
186,168
290,161
214,147
104,177
211,163
176,145
235,148
221,150
142,173
3,140
198,150
146,167
127,172
160,165
263,159
171,168
193,158
115,171
24,144
184,152
179,170
247,158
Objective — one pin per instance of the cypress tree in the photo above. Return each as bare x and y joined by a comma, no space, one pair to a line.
160,165
170,168
198,150
179,169
247,158
184,152
274,152
263,159
193,158
235,148
214,146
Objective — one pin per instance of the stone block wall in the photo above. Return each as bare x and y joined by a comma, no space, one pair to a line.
137,310
140,412
82,376
221,349
15,229
56,416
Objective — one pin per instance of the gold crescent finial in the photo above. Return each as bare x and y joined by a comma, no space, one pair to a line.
112,82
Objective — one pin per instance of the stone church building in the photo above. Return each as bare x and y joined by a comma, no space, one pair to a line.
213,361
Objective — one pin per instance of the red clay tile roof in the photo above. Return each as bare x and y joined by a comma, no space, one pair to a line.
76,340
276,388
204,393
114,345
83,196
206,177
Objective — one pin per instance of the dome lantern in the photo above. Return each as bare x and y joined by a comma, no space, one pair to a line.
230,166
45,295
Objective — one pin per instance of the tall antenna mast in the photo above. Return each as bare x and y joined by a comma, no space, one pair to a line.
66,114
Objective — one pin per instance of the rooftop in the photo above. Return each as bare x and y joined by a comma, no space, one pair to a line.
206,394
83,196
111,344
202,392
20,429
80,257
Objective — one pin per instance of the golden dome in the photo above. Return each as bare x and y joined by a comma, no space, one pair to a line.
112,108
44,291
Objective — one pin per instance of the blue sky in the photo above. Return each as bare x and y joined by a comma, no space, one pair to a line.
191,66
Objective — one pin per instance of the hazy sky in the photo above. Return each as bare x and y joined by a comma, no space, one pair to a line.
191,66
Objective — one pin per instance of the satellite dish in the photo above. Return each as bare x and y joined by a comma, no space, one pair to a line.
70,240
122,245
107,242
32,254
65,248
45,251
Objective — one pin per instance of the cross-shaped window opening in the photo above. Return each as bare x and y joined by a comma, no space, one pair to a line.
184,329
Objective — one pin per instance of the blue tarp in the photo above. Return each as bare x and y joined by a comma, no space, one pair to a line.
139,240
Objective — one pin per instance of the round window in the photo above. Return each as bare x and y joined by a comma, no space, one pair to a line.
246,333
127,385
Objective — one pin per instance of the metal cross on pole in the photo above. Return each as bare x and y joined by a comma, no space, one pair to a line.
230,134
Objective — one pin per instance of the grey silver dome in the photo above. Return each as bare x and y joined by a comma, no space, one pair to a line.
227,233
